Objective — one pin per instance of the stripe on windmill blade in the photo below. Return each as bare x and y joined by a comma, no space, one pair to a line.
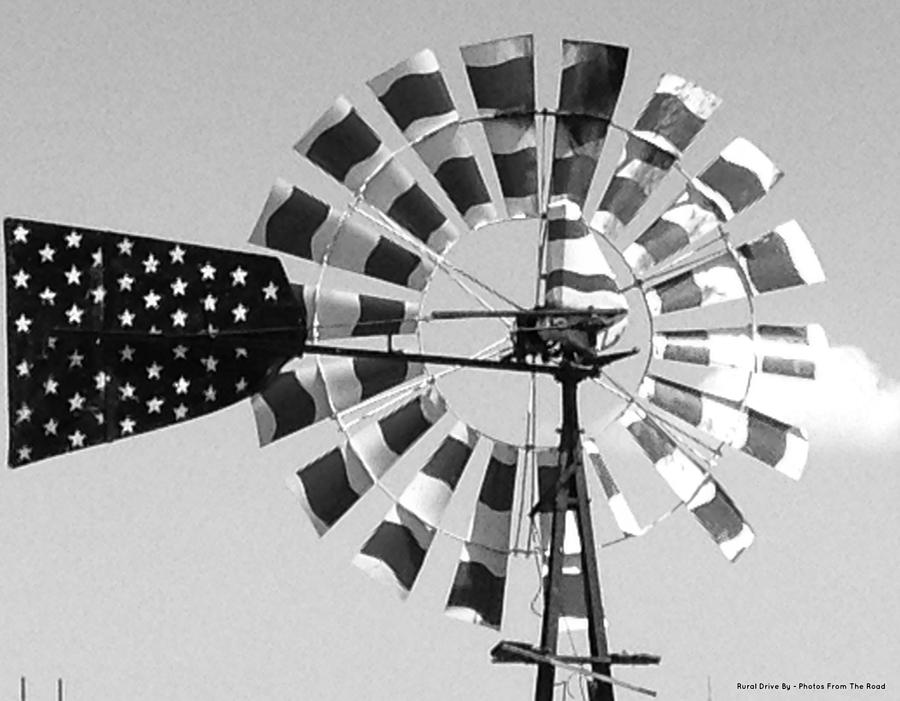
395,192
449,156
777,260
111,334
577,145
780,259
295,222
590,83
396,550
592,77
775,443
621,511
677,112
668,124
291,400
349,381
578,274
740,176
781,350
341,143
715,281
416,96
380,444
479,585
501,75
513,146
790,350
332,483
691,483
340,314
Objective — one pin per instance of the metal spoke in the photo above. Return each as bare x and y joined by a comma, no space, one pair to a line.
681,439
453,271
401,391
395,397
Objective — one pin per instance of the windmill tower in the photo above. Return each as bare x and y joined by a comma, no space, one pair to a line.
113,334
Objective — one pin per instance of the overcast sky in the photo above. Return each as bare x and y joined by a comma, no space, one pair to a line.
178,566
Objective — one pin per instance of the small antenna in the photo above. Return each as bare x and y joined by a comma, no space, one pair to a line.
22,689
59,690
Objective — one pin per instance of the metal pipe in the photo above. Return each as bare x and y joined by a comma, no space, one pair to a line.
611,315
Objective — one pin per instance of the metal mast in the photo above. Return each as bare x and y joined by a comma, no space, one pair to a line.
571,495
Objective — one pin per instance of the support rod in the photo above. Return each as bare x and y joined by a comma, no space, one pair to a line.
543,690
591,370
609,315
430,358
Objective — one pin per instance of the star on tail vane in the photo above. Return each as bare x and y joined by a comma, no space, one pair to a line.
111,335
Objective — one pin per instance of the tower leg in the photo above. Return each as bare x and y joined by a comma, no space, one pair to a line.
572,494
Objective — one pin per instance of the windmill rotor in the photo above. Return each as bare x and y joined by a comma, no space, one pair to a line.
630,320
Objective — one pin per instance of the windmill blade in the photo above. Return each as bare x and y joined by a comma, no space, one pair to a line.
331,484
672,118
691,483
479,585
349,381
618,506
295,222
778,260
298,395
590,83
578,274
348,149
291,400
396,550
415,95
740,176
780,350
110,334
773,442
333,313
501,75
513,144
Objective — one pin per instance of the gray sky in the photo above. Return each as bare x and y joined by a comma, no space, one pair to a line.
176,565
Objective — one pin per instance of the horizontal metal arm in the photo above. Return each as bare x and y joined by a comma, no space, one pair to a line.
530,655
584,370
509,651
287,340
609,315
430,358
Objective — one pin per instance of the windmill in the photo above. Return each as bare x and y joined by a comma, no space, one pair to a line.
113,334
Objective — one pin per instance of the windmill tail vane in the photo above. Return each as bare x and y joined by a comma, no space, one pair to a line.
112,334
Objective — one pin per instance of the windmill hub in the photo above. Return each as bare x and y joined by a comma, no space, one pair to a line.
553,335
